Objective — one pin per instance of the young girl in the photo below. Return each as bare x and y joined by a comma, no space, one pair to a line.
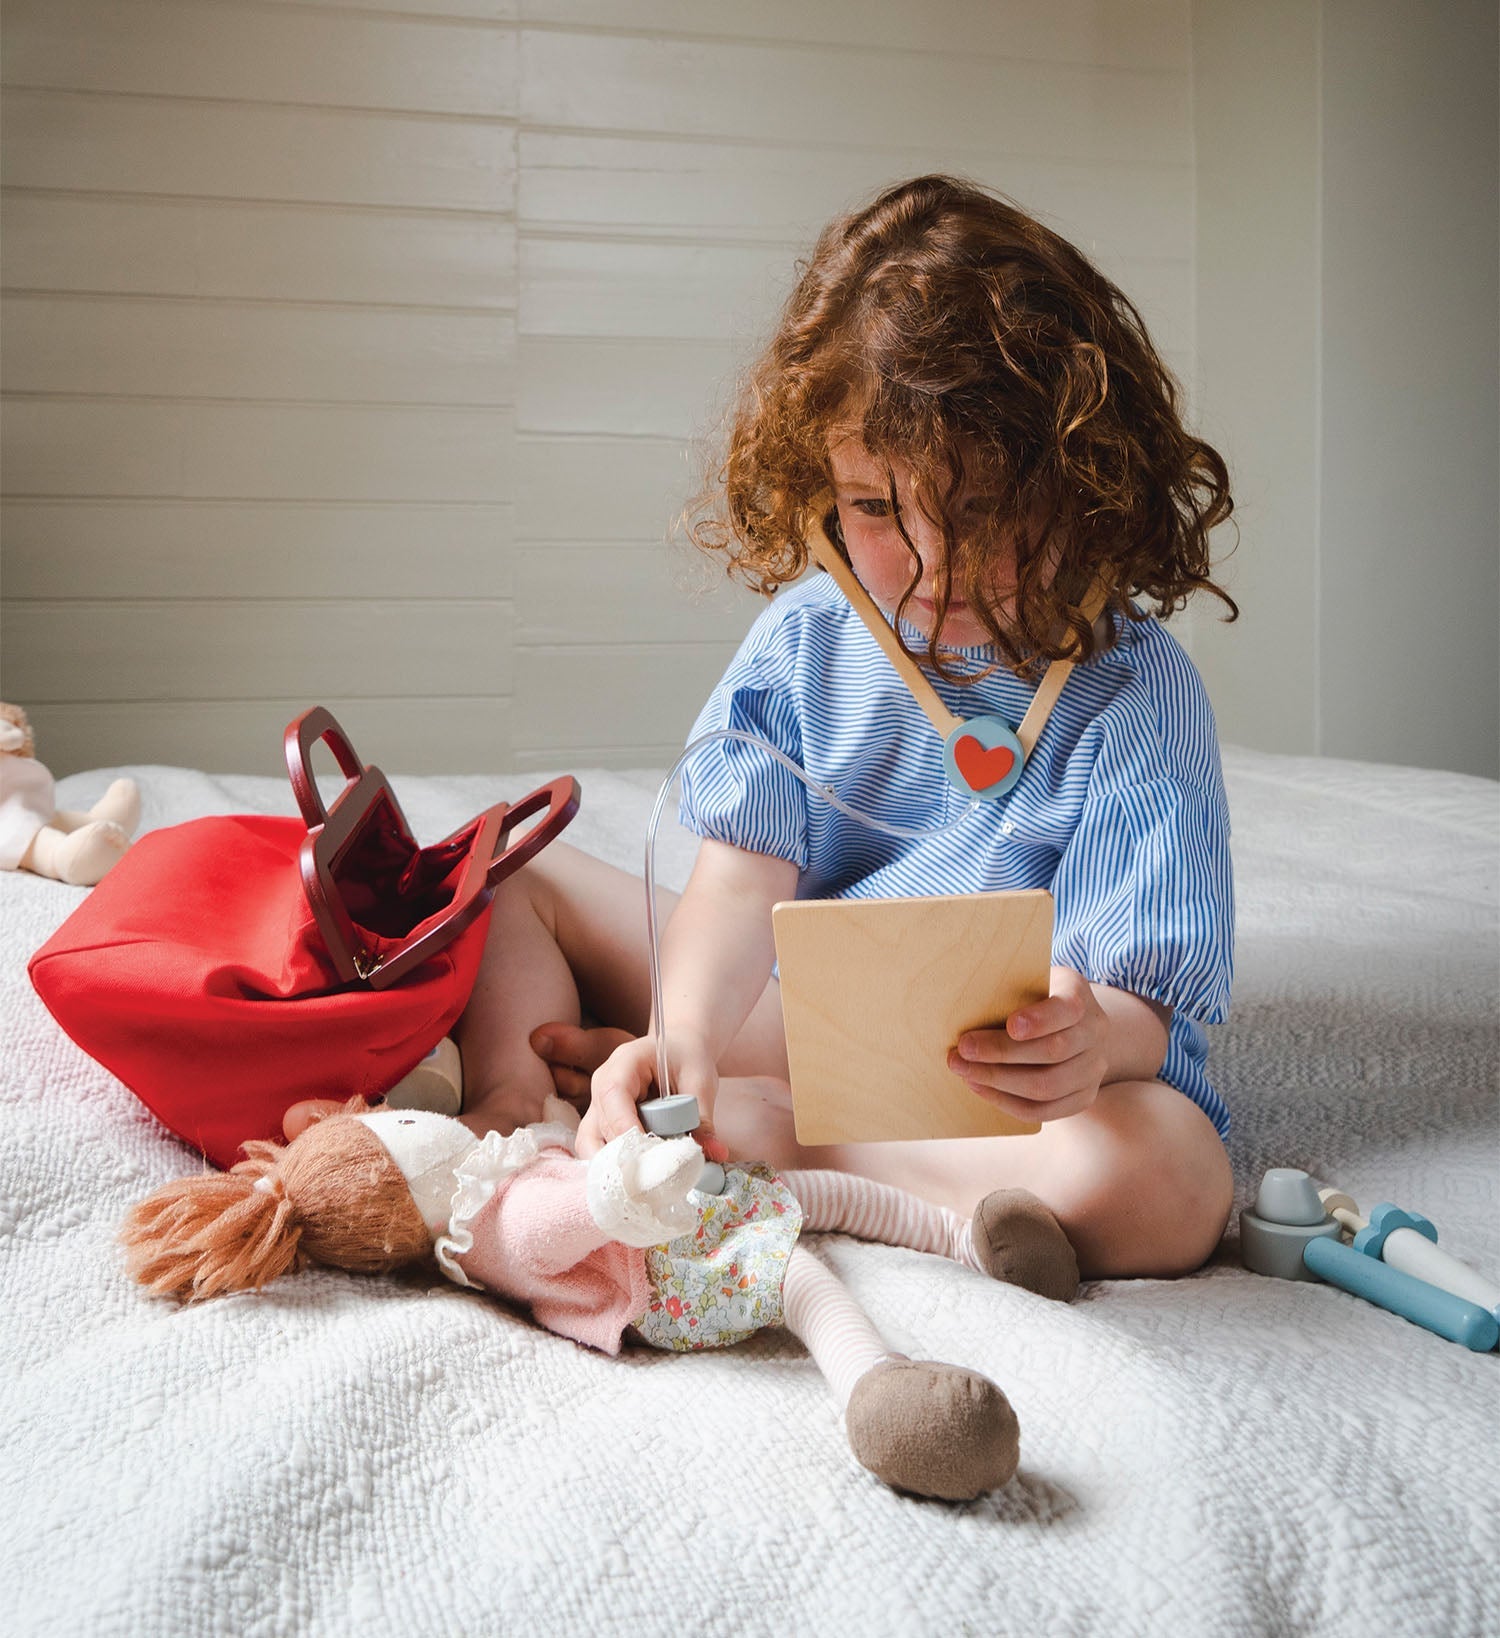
981,424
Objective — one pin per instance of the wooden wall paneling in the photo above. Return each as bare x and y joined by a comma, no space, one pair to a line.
605,701
400,733
1117,33
268,549
249,53
586,182
292,286
639,388
648,592
165,347
139,650
240,248
596,488
604,285
809,95
160,449
134,145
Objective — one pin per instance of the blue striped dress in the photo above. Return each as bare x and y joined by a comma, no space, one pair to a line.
1120,811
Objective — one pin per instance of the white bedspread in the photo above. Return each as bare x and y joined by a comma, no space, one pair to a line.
1222,1454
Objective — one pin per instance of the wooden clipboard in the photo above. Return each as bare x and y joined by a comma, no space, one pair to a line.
874,993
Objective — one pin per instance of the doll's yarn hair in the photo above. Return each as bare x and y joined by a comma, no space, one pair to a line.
333,1196
16,717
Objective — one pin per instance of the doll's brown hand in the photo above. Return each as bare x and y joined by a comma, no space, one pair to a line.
307,1113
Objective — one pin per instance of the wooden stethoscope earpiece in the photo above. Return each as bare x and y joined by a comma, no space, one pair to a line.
982,756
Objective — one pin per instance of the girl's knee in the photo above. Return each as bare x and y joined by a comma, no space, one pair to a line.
1154,1187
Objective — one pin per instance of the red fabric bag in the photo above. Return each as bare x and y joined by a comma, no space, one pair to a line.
227,967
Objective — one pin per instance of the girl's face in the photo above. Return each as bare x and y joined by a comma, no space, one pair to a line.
881,558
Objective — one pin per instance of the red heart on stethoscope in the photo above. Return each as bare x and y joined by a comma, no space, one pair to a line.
982,765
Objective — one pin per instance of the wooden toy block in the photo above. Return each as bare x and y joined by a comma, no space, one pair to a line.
874,994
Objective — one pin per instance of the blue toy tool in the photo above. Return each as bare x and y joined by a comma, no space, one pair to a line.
1406,1240
1403,1294
1290,1233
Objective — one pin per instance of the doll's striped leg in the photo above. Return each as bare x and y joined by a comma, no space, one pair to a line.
1011,1237
933,1429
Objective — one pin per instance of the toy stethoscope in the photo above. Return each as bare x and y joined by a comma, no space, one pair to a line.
983,758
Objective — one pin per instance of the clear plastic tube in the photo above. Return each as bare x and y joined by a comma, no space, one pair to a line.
653,948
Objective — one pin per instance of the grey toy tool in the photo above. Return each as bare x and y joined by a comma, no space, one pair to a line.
1286,1215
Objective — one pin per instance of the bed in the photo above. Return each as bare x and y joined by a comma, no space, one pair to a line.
1223,1454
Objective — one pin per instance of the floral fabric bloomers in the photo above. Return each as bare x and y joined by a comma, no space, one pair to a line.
721,1283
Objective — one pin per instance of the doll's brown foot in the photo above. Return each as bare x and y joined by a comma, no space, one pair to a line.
935,1430
437,1083
1016,1239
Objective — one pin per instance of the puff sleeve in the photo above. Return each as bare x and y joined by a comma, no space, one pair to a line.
738,793
1145,896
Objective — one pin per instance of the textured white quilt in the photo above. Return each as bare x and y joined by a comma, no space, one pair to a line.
1217,1455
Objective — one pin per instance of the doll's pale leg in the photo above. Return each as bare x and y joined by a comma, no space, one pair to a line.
120,804
933,1429
1011,1237
80,857
436,1084
843,1203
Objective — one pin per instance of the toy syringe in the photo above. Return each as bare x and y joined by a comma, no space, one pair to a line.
1408,1241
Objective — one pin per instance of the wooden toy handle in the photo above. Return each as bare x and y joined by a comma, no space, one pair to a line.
828,556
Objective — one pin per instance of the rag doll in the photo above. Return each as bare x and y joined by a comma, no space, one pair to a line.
37,835
614,1249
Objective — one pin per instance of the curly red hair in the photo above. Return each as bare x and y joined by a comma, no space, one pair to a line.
946,329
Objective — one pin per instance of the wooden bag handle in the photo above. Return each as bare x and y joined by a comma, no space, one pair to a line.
302,734
489,855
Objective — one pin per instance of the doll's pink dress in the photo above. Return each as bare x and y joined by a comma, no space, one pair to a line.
523,1228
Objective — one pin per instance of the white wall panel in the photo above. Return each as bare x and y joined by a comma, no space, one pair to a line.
130,145
850,97
255,451
1116,33
206,49
234,248
673,595
169,348
352,327
244,649
690,189
401,733
600,489
610,703
282,549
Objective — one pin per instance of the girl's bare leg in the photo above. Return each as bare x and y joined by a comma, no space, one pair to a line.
1139,1182
568,938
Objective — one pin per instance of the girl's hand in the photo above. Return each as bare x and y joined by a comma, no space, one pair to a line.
628,1076
1050,1059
